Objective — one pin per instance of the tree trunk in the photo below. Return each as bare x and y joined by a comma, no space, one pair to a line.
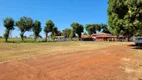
53,36
46,36
79,37
128,38
6,35
35,38
117,37
6,39
22,35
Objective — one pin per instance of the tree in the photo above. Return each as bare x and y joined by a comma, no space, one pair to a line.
72,34
98,27
125,17
78,29
66,32
48,28
105,29
9,25
54,33
133,20
116,12
91,28
24,24
37,29
59,33
84,33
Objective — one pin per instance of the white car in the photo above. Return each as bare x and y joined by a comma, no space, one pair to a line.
138,41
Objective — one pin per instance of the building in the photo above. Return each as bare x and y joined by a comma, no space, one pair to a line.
59,38
104,37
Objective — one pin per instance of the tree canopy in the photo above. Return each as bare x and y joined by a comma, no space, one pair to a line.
48,28
66,32
94,28
24,24
9,25
54,33
125,17
59,33
37,29
78,29
90,28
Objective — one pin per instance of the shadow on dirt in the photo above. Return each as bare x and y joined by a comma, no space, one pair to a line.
136,46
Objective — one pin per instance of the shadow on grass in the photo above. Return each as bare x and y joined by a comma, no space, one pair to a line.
136,46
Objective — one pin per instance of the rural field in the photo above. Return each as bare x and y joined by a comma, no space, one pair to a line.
72,60
71,40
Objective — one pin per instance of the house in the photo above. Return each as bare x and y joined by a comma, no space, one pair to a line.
87,37
104,37
107,37
59,38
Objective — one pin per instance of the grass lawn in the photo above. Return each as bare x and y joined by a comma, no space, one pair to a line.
16,51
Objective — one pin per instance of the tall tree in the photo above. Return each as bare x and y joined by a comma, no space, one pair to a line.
66,32
78,29
133,20
24,24
116,12
125,17
9,25
37,29
48,28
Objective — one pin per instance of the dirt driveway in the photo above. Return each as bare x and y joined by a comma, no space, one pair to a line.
112,63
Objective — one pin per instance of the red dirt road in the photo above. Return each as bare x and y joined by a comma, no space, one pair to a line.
102,64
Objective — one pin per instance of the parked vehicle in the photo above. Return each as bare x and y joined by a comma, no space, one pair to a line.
138,41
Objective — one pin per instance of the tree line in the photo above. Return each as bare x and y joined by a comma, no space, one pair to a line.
28,24
124,18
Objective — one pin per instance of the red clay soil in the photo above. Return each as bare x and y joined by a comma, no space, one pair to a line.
101,64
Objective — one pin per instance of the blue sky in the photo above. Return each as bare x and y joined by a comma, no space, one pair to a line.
61,12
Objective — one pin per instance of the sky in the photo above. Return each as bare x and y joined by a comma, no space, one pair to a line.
61,12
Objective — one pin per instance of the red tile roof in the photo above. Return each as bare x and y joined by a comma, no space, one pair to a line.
101,35
59,37
86,36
